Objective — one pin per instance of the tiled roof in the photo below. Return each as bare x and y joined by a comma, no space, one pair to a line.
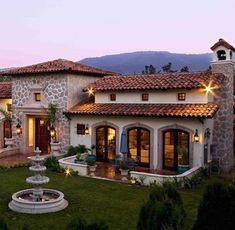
191,80
59,65
5,89
222,42
148,110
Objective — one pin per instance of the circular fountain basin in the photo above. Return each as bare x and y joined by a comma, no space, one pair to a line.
52,201
34,180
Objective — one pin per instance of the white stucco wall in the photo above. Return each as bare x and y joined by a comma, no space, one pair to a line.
154,123
159,96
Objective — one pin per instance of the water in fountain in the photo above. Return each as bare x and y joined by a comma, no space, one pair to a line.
37,200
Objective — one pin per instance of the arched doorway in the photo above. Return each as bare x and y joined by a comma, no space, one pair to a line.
105,143
139,145
173,139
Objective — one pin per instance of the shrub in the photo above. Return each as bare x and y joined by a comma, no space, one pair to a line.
71,151
3,225
164,209
217,208
52,164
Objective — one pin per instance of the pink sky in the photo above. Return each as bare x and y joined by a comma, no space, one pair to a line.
34,31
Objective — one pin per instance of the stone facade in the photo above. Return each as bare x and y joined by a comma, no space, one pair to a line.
61,89
223,121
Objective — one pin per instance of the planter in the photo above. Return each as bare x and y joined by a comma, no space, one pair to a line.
124,172
55,148
92,169
9,142
91,157
182,168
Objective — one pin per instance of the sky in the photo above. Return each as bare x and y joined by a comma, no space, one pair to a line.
34,31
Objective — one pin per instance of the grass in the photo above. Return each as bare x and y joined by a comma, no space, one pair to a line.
115,203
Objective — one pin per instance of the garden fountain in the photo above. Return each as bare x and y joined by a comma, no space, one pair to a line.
37,200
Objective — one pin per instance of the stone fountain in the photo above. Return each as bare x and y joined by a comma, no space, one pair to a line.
37,200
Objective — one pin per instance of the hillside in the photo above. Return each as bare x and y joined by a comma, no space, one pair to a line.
129,63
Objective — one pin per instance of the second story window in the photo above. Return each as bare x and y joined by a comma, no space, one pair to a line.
113,97
37,97
145,96
181,96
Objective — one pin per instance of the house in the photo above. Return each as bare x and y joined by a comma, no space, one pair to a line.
167,119
34,87
5,105
160,114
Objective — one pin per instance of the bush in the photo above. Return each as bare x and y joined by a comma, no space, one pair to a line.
52,164
3,225
217,208
80,224
163,210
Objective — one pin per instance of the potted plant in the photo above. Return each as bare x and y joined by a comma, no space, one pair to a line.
92,166
124,168
183,159
91,155
9,141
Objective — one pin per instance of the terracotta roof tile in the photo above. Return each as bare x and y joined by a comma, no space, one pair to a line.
5,89
191,80
148,110
59,65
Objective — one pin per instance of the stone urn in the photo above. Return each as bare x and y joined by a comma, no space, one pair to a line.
124,172
9,142
55,148
92,169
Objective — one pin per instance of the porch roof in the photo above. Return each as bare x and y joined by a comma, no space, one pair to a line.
160,81
5,90
149,110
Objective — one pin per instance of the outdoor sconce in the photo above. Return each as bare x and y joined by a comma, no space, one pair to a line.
196,136
87,130
18,129
52,132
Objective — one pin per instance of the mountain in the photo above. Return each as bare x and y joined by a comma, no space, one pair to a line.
129,63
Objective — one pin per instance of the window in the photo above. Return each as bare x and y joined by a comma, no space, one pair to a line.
81,129
181,96
112,97
145,96
37,96
9,107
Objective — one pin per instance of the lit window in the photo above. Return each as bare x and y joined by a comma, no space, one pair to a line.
9,107
112,97
145,96
181,96
37,96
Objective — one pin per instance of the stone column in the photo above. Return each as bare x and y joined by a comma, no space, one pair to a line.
223,121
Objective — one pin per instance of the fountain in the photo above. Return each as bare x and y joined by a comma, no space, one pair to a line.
37,200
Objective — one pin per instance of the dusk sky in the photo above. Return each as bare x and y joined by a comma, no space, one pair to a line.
34,31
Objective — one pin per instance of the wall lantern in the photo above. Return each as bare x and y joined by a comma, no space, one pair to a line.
18,129
196,136
87,130
52,132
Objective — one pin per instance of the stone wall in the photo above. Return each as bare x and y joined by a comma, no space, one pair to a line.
61,89
223,121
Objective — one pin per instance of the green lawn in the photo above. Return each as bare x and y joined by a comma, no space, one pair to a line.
115,203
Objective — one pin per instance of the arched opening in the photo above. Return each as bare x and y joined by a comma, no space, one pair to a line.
221,54
139,145
105,143
173,141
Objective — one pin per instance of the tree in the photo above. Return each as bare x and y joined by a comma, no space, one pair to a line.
167,68
184,69
149,69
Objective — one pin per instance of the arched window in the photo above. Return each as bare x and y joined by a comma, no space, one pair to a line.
221,54
139,145
105,143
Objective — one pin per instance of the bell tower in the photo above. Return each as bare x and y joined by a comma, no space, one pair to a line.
223,135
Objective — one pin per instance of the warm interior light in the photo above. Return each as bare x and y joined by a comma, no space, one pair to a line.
196,136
